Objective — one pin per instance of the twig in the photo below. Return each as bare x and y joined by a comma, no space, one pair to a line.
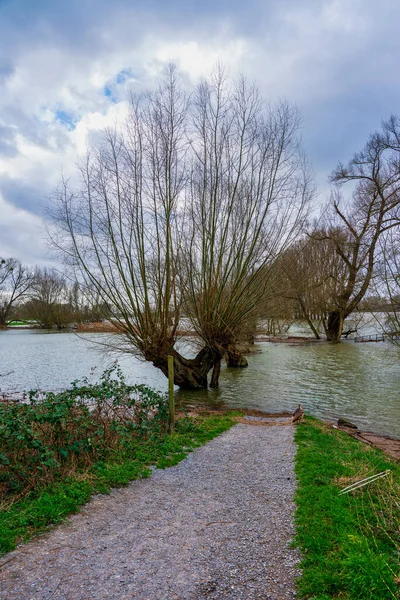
366,481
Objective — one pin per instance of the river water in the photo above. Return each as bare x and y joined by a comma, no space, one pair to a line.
357,381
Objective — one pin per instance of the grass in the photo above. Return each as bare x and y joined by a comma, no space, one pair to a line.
20,323
50,505
350,544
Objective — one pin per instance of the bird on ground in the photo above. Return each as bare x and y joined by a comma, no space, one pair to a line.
298,414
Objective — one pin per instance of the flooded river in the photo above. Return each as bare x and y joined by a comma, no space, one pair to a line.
357,381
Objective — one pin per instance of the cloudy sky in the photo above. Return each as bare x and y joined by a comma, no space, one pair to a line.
65,68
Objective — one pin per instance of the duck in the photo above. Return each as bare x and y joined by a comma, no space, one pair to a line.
298,414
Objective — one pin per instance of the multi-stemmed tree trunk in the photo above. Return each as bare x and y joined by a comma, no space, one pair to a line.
181,206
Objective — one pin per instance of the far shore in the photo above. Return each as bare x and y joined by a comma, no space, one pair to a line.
108,327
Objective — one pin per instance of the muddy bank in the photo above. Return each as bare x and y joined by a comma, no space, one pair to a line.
389,445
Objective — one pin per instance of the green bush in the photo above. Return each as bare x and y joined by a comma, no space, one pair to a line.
52,434
47,505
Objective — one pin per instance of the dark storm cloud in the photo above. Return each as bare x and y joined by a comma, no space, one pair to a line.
23,195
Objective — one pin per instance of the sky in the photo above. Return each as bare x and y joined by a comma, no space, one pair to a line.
66,68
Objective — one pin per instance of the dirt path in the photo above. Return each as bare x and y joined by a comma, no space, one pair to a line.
218,525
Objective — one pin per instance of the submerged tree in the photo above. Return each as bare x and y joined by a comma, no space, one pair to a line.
179,210
354,231
307,272
388,284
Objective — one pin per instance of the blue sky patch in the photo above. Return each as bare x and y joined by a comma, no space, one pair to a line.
110,94
111,91
66,119
124,75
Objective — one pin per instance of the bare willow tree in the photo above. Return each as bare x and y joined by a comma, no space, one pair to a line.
49,300
179,209
355,230
249,186
15,281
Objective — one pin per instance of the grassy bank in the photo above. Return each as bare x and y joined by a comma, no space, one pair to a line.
349,543
60,449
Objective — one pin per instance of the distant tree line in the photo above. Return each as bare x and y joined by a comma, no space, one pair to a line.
43,296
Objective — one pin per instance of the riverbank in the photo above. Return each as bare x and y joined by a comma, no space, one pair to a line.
350,543
359,382
221,522
389,445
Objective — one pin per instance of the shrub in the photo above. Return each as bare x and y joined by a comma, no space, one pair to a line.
55,434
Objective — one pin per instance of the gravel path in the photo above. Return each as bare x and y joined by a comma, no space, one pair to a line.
216,526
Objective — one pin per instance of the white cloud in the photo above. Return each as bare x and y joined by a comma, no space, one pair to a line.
323,54
60,84
197,59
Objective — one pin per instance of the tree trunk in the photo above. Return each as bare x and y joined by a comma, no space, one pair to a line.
313,328
251,339
308,318
190,373
234,358
215,375
335,326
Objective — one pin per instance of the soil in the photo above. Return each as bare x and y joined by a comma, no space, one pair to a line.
389,445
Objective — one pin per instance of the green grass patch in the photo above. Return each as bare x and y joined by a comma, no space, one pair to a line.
350,543
49,505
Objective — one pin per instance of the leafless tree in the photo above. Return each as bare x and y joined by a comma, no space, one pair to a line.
354,231
15,281
388,284
249,186
50,302
306,275
180,209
